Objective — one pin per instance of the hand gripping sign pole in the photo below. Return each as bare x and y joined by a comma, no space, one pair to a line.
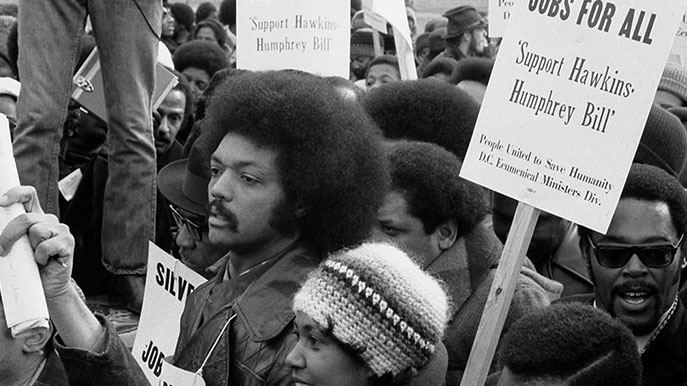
500,295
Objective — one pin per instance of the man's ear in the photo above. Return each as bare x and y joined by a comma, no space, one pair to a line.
466,37
35,339
447,233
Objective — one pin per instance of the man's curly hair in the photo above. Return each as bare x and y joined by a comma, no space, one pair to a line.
424,110
428,177
201,54
650,183
330,158
574,343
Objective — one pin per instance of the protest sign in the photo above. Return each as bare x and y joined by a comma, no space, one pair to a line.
168,284
560,122
499,13
567,101
307,35
23,299
680,44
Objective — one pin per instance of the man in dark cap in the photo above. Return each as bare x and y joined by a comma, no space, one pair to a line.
636,266
466,33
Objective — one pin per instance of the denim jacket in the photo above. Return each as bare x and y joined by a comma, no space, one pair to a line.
253,350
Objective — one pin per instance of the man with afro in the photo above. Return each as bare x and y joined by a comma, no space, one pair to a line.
569,345
296,173
424,110
441,220
636,266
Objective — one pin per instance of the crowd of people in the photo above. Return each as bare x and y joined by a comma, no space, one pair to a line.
339,242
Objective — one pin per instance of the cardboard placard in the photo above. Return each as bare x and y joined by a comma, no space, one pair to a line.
168,284
89,90
680,43
567,102
307,35
499,13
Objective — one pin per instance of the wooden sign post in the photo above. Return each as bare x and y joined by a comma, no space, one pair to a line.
560,122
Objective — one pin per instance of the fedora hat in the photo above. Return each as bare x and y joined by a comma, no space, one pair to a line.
462,19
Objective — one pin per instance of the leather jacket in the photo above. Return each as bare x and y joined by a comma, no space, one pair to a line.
254,348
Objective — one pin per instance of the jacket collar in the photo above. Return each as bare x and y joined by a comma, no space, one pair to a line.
465,265
265,308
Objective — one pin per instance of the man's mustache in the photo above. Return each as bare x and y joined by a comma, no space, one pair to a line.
215,207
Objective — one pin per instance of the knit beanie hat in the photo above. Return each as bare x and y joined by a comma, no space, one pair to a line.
664,142
424,110
378,302
674,80
183,14
362,42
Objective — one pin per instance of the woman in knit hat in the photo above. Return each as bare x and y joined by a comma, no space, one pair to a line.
367,316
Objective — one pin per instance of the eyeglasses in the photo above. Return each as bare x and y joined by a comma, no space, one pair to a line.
653,255
195,230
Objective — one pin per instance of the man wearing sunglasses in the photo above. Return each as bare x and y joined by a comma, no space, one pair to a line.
635,268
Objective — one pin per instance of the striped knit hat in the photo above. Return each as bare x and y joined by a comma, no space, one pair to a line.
375,300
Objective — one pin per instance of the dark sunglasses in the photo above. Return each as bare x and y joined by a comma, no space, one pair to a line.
654,255
195,230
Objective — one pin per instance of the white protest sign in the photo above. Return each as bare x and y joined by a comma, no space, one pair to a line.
23,299
307,35
567,101
680,43
499,13
168,284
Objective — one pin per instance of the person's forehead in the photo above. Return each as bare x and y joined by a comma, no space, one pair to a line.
235,149
382,69
174,99
638,220
195,73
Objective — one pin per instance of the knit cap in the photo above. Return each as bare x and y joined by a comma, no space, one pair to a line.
674,80
378,302
664,142
362,42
